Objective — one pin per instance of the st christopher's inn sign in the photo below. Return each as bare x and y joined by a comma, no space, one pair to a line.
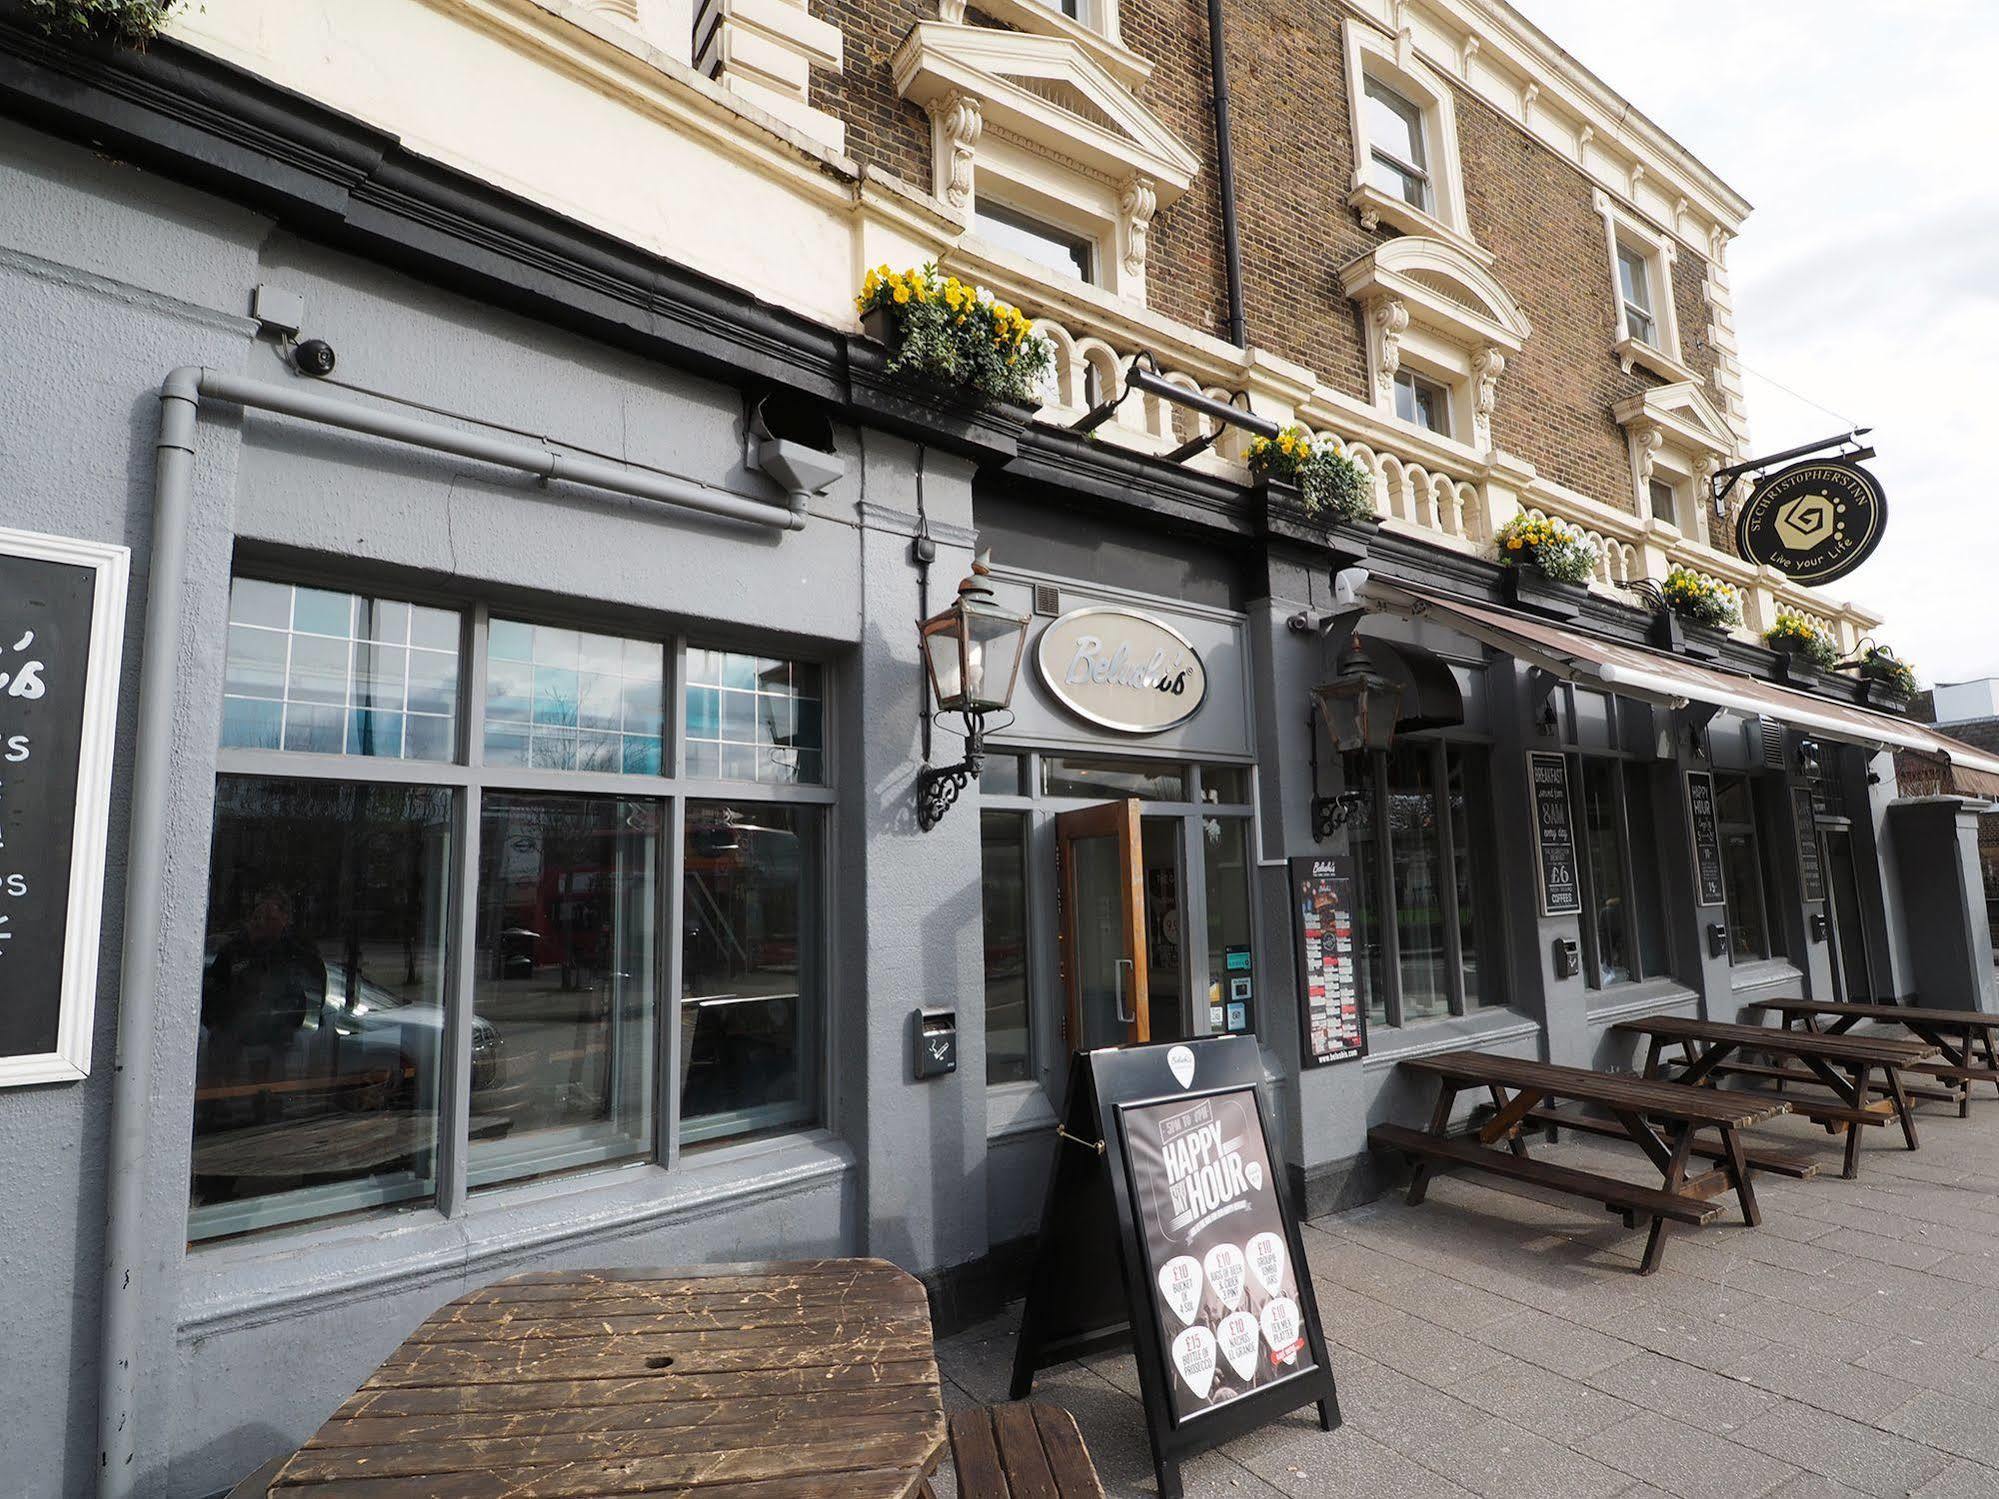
1121,669
1815,521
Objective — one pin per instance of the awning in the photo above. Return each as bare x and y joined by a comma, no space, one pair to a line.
1673,681
1430,696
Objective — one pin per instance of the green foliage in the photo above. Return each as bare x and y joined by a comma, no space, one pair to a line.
948,333
1701,600
131,22
1330,483
1562,552
1801,638
1879,664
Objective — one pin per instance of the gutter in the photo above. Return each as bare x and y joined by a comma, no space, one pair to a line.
1218,71
132,1067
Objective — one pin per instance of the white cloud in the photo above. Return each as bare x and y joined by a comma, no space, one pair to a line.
1868,277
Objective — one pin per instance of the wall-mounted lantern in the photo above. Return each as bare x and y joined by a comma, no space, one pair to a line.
1360,707
971,653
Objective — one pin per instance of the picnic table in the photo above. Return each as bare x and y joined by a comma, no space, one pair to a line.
1842,1064
812,1379
1958,1034
1661,1118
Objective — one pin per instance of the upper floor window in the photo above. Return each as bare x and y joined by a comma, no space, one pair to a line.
1665,502
1395,145
1043,243
1406,172
1678,441
1423,402
1641,287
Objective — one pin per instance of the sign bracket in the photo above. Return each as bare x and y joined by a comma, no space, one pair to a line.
1724,478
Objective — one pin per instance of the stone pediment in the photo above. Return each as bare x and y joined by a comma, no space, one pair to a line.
1442,285
1682,410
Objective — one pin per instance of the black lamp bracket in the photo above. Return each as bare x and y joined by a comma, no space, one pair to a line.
1724,478
1329,813
938,787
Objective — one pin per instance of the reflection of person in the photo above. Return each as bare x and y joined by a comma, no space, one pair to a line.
263,983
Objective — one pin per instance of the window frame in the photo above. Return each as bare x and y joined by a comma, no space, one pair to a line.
997,209
1443,404
468,778
1411,114
1625,232
1768,887
1620,763
1392,64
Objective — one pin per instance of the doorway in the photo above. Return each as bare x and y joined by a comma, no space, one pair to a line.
1122,937
1851,960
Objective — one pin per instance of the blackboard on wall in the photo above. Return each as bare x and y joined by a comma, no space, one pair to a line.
62,608
1554,834
1811,863
1169,1228
1708,888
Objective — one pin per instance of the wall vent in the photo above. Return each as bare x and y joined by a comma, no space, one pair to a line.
1047,599
1773,743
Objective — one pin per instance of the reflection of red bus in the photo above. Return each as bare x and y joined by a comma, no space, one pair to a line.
555,915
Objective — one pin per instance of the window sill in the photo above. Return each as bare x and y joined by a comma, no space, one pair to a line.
299,1271
1427,1038
1376,208
1764,973
1017,1109
1630,1001
1634,351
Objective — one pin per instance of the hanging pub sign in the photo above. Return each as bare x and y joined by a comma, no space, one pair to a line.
62,624
1554,835
1811,863
1815,521
1708,889
1322,922
1121,669
1169,1227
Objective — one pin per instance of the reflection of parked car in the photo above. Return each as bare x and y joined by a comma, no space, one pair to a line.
379,1014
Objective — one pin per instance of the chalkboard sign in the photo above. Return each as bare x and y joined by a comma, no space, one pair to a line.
1554,835
1811,864
1708,888
1322,928
62,615
1169,1227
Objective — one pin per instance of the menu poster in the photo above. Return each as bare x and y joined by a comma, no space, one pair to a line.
1554,834
1811,863
1227,1309
1708,888
62,606
1333,1019
1168,1229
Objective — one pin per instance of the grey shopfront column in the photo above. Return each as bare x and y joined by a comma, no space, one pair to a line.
906,906
1942,900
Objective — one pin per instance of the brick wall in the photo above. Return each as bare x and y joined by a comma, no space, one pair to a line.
1531,208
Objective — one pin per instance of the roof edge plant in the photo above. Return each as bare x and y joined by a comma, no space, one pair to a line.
1876,663
1802,638
1563,552
1330,482
130,23
941,330
1701,600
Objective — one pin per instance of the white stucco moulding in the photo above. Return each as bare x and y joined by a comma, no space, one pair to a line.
1677,429
110,566
1393,62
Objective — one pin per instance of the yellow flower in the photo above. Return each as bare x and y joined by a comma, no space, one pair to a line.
902,294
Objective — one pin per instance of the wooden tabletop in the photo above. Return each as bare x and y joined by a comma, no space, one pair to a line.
1907,1014
1888,1050
1616,1090
810,1379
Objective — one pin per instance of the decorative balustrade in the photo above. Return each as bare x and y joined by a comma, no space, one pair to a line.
1619,563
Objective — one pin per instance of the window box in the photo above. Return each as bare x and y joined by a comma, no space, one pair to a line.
1277,509
1872,692
1527,587
1792,669
1684,638
957,418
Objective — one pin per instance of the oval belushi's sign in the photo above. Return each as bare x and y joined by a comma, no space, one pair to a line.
1122,670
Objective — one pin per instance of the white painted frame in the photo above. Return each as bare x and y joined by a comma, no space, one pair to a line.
1393,61
111,567
1655,247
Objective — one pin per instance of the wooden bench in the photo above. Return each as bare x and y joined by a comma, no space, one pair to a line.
1958,1034
1762,1158
1021,1450
1659,1117
1843,1065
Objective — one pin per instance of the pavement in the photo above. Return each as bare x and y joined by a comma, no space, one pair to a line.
1494,1341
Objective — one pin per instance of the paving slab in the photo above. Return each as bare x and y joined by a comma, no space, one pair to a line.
1862,1457
1686,1461
1546,1404
1686,1392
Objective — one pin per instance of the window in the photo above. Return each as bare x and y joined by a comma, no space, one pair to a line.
1424,886
1044,244
1423,403
1634,279
1395,145
1403,115
1003,887
1100,780
1646,325
1624,925
1665,501
1745,878
353,930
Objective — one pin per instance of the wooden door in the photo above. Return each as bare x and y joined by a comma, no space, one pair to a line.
1103,925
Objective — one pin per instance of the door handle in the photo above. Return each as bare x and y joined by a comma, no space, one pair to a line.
1118,969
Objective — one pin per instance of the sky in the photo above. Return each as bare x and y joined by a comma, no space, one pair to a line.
1866,279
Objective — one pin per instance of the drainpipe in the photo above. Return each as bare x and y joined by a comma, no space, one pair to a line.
1218,70
132,1066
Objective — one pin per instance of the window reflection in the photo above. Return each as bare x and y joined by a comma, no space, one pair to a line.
1416,869
1003,885
565,972
1603,832
563,699
749,1017
322,1002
